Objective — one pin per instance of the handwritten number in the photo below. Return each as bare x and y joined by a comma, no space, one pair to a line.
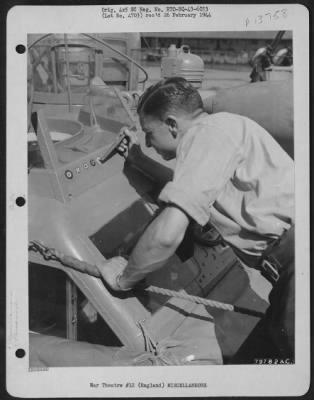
276,16
259,19
284,12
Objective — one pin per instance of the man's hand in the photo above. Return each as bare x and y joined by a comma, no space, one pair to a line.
111,270
130,145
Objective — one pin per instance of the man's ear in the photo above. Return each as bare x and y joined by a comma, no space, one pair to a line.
172,123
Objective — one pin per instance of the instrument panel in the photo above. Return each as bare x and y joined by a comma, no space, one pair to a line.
76,163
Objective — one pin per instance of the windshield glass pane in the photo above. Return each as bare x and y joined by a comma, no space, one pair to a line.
99,122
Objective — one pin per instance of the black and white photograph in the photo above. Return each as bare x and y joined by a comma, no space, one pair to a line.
161,199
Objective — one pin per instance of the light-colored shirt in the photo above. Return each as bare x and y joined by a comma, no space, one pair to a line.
232,173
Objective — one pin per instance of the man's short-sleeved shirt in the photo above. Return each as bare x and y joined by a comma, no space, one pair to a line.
232,173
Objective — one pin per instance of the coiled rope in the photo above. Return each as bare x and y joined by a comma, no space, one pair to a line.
87,268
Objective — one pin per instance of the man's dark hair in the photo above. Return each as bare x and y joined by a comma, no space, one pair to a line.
170,94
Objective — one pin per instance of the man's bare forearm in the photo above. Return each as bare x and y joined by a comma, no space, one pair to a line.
149,255
154,247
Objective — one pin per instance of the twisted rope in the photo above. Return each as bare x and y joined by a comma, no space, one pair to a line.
194,299
92,270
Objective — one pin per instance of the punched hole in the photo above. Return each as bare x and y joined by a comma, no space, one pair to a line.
20,353
20,49
20,201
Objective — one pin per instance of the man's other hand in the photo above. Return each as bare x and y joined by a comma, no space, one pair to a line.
111,270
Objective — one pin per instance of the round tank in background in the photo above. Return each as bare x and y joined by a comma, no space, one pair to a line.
181,62
268,103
